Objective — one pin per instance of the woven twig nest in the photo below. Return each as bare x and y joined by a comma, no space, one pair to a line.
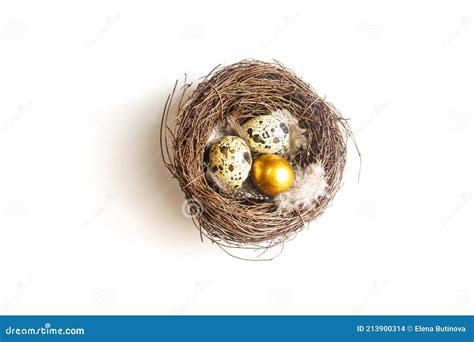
244,90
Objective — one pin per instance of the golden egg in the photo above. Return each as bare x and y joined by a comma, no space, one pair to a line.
272,174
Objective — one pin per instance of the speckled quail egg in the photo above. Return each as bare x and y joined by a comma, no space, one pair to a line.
230,161
266,134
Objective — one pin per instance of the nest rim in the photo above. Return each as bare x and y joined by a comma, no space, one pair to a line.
246,89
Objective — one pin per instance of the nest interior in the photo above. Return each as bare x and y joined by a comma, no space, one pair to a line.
247,89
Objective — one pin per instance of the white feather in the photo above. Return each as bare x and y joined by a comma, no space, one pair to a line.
297,139
217,133
310,184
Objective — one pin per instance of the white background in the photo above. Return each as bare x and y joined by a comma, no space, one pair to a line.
90,223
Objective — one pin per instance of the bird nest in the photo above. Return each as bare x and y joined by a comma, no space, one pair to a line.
244,90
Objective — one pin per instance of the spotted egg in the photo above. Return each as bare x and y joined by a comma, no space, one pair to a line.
266,134
230,161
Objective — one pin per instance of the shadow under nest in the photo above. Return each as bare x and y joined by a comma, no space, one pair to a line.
244,90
